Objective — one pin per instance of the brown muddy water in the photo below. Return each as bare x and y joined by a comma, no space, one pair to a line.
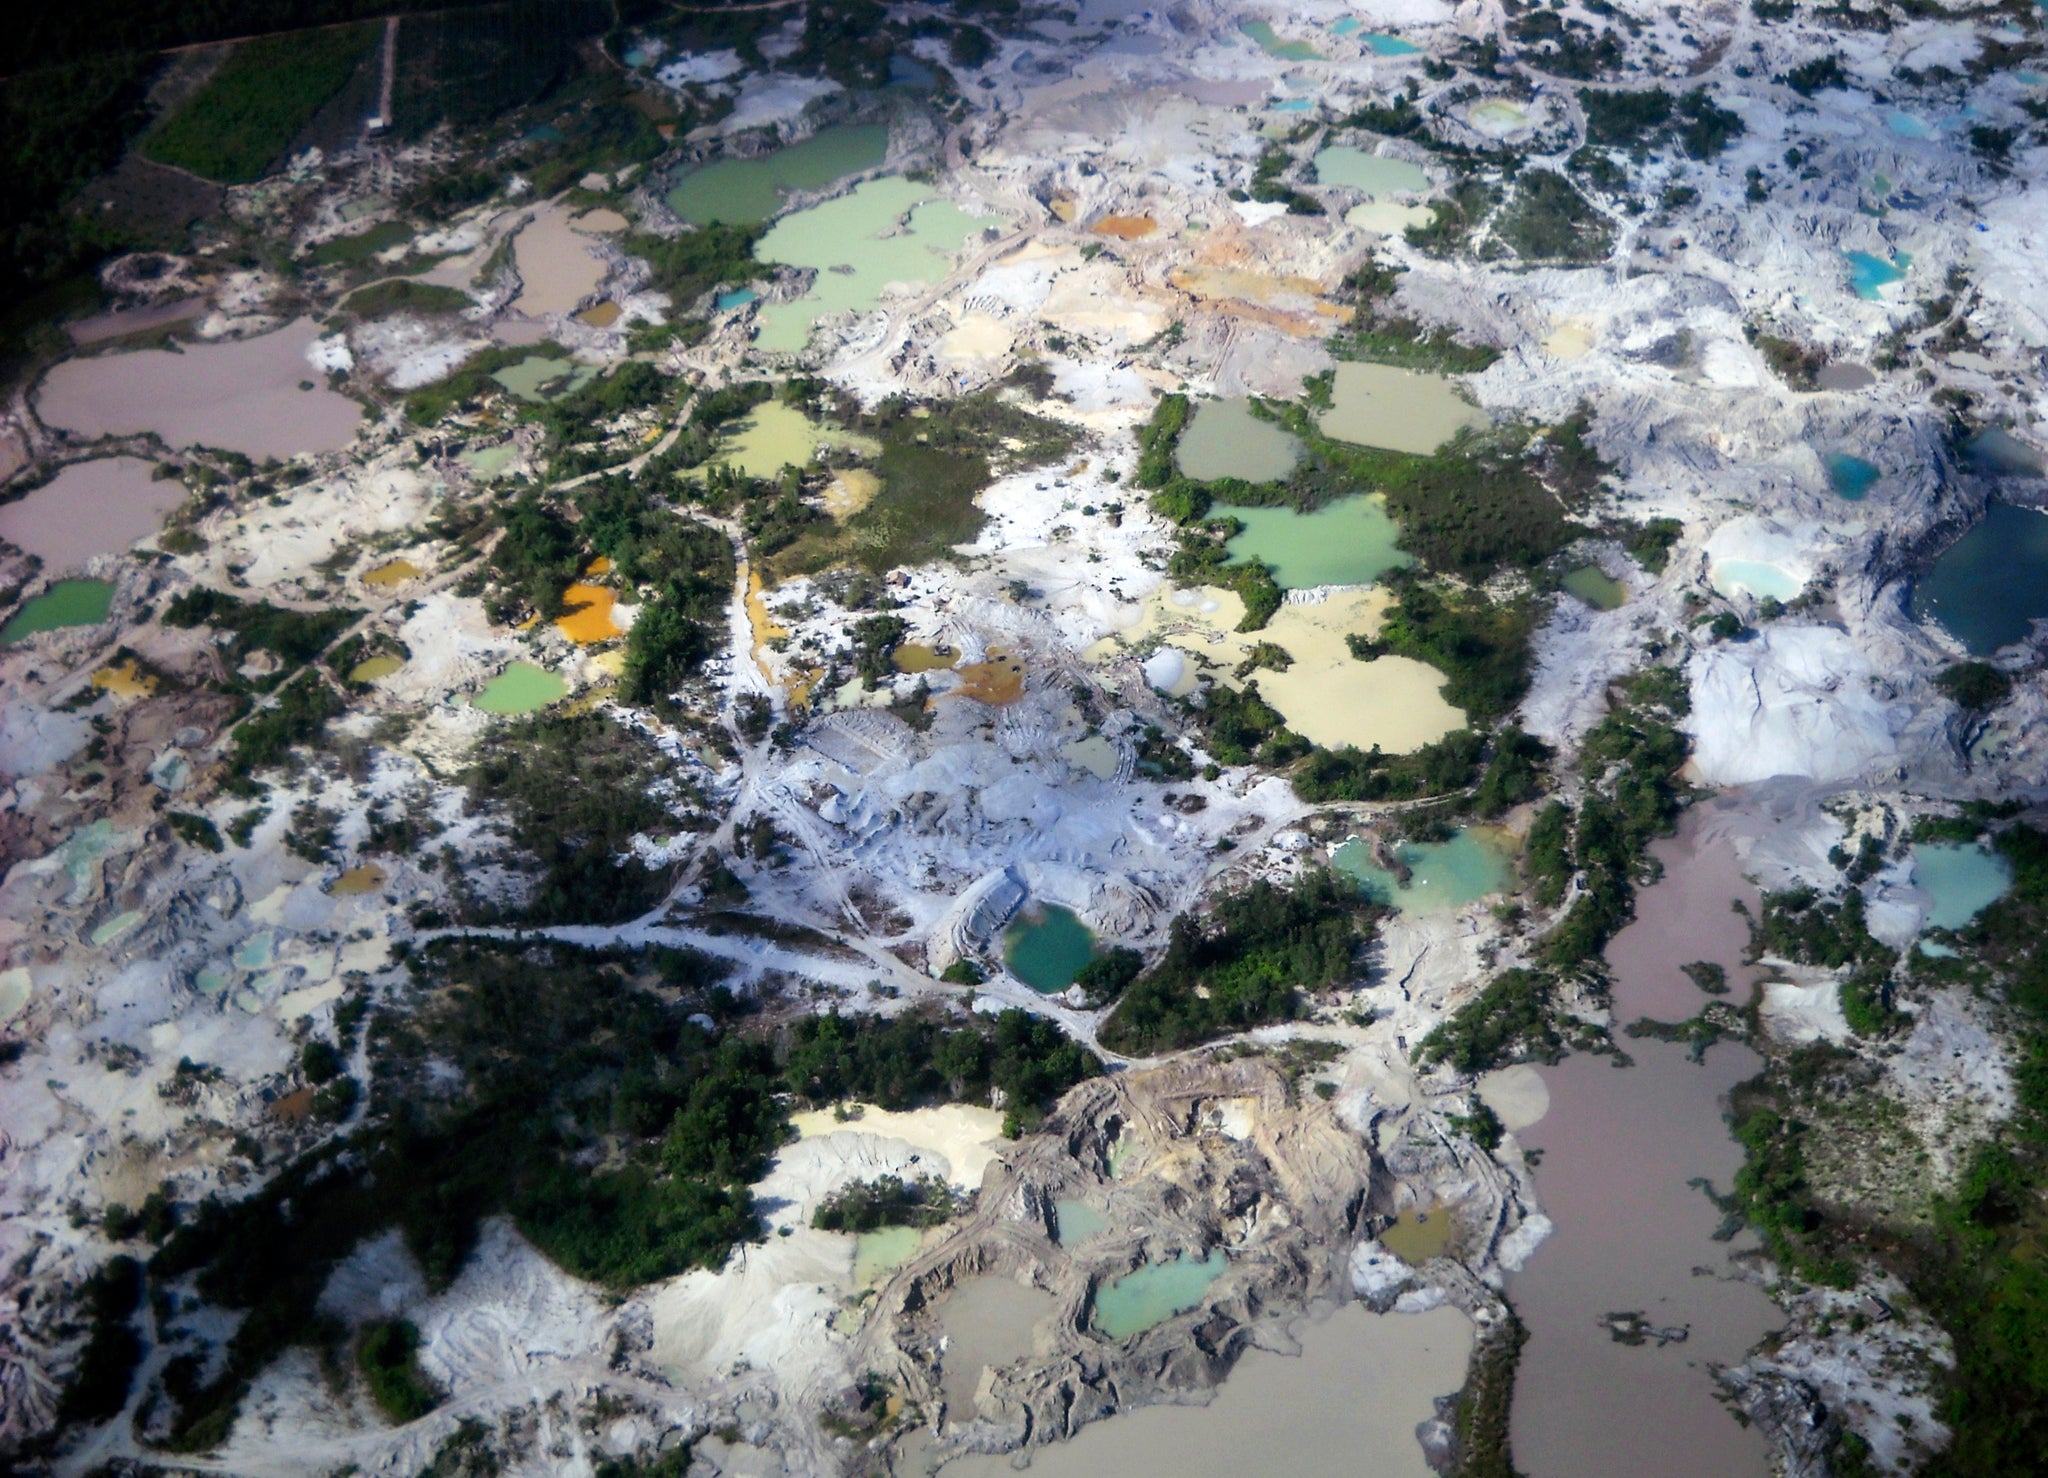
261,396
987,1321
1346,1407
1620,1150
90,508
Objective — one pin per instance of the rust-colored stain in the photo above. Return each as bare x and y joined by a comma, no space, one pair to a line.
1125,228
586,618
294,1106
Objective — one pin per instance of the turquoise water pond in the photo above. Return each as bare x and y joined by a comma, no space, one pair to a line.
1293,105
1987,589
66,603
1383,45
1155,1293
1869,275
1047,951
1348,542
1962,878
1906,126
1850,476
1077,1221
738,298
1757,578
1441,875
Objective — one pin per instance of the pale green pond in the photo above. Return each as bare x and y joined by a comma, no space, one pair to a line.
1962,878
254,953
115,927
885,231
744,192
1595,587
1341,164
1472,865
1396,410
1155,1293
776,435
16,986
66,603
1755,578
1225,438
1348,542
541,377
1046,950
210,981
521,688
1077,1221
490,462
84,848
1270,42
879,1253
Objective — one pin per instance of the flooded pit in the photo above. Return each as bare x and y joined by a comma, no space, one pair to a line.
879,1253
1341,164
1396,410
1125,228
1621,1150
543,377
1475,863
986,1321
1095,755
1270,42
1961,878
775,435
914,657
15,989
521,688
1381,44
557,267
1844,376
261,396
1225,438
124,680
1870,275
1754,578
886,232
1077,1221
600,315
745,192
1047,948
1989,587
1497,118
391,575
1420,1233
66,603
1347,1405
1596,588
1347,542
1999,453
359,881
998,681
375,669
90,508
1850,476
1155,1293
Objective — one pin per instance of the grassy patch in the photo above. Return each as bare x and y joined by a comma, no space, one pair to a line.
352,251
246,116
401,295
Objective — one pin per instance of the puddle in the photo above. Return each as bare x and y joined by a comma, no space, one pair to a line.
986,1321
744,192
375,669
1962,879
1155,1293
877,1254
391,576
1272,45
1844,376
600,315
1398,410
557,269
998,682
541,377
244,396
1851,477
66,603
1347,1405
1047,948
885,232
1988,588
913,657
1870,275
1596,587
1225,439
1125,228
1474,864
586,617
357,881
1420,1233
1355,168
90,508
1754,578
1620,1148
521,688
1348,542
1077,1221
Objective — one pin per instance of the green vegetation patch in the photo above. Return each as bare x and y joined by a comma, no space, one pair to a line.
387,1355
294,638
1246,964
244,119
1640,121
1509,1020
401,295
886,1201
1481,646
1547,220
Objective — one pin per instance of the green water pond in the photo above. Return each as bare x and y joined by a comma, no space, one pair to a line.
66,603
1348,542
1155,1293
1270,42
1225,438
879,1253
542,377
745,192
521,688
1441,875
1341,164
1595,587
1961,878
1047,949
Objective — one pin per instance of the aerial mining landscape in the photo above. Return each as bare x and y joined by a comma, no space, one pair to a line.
838,737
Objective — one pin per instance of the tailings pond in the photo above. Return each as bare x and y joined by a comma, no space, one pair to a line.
261,396
66,603
1474,863
1226,438
745,192
1989,587
1047,949
1154,1293
1621,1150
1341,164
1348,542
1397,410
887,231
1960,879
986,1321
90,508
1346,1406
